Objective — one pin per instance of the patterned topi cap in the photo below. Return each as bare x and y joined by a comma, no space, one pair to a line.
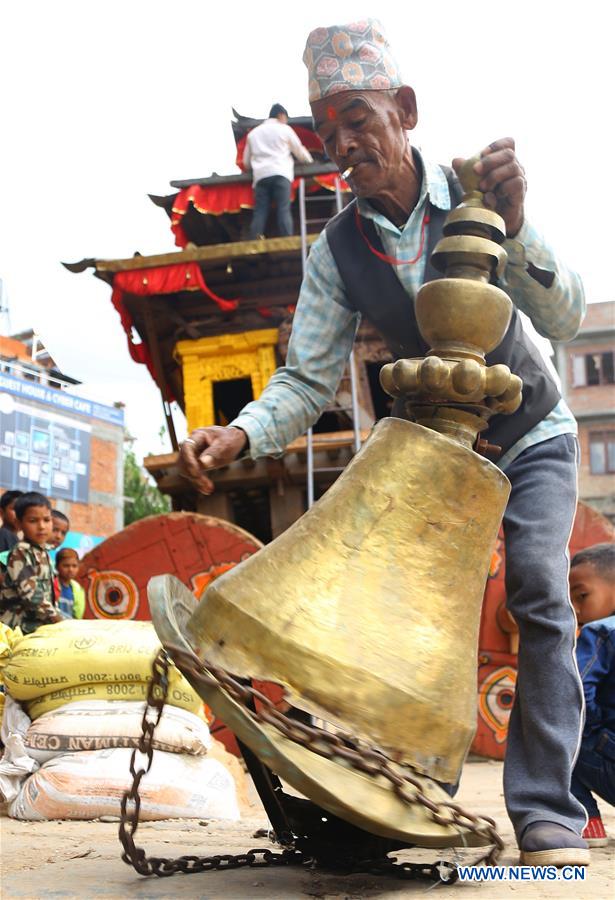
354,57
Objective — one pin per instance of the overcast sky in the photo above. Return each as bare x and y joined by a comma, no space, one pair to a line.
105,102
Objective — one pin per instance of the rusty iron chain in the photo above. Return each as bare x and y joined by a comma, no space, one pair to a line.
361,757
130,807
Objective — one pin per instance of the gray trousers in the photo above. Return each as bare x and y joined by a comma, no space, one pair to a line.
545,723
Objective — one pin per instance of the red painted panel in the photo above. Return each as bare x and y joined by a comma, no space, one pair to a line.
194,548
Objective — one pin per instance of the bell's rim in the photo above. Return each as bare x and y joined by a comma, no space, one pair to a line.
365,801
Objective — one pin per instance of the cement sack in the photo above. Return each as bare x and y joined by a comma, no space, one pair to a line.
88,659
16,763
101,724
8,637
90,784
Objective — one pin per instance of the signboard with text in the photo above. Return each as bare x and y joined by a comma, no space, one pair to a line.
43,451
59,400
45,437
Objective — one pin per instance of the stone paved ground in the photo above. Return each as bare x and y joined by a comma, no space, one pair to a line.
82,860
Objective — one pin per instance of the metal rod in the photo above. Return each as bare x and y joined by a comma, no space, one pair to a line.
302,224
356,432
304,249
356,441
309,445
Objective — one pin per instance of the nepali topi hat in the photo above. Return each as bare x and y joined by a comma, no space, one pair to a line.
353,57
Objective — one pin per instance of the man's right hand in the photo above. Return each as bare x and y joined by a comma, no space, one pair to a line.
209,448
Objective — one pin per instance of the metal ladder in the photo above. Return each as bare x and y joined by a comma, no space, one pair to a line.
349,375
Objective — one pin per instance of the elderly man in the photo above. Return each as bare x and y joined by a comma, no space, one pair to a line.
370,261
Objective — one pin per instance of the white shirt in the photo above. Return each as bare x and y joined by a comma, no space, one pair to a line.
270,148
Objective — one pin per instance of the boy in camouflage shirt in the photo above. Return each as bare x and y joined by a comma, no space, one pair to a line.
27,596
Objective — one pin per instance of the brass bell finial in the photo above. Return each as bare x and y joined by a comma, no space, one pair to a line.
462,316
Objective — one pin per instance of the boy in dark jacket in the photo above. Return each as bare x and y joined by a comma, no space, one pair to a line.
27,596
592,590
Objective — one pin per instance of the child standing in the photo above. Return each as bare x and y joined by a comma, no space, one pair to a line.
71,601
592,591
61,526
8,530
27,596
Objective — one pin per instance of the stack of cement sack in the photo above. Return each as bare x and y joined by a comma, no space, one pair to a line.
81,686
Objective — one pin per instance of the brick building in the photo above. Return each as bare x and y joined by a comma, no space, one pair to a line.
68,448
586,367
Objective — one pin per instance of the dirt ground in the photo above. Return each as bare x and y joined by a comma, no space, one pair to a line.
82,860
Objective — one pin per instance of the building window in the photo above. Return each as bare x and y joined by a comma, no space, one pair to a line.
230,397
602,452
593,368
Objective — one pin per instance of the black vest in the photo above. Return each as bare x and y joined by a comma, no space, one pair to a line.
374,290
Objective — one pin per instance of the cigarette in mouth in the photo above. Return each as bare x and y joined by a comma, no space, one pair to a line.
347,173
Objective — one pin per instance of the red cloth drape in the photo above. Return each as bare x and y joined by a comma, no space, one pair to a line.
215,199
168,280
158,280
210,200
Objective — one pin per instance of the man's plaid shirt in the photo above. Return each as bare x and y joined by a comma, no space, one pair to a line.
324,325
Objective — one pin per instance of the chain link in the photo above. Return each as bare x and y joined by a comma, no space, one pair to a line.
130,808
329,745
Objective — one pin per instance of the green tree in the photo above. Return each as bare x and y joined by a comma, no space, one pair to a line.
141,497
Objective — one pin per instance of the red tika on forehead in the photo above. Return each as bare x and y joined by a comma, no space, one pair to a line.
331,113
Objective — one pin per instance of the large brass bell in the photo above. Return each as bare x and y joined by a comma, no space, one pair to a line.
367,608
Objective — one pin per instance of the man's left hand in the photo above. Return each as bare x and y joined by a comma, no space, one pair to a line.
502,181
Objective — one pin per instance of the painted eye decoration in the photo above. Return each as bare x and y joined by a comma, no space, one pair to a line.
495,700
112,595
